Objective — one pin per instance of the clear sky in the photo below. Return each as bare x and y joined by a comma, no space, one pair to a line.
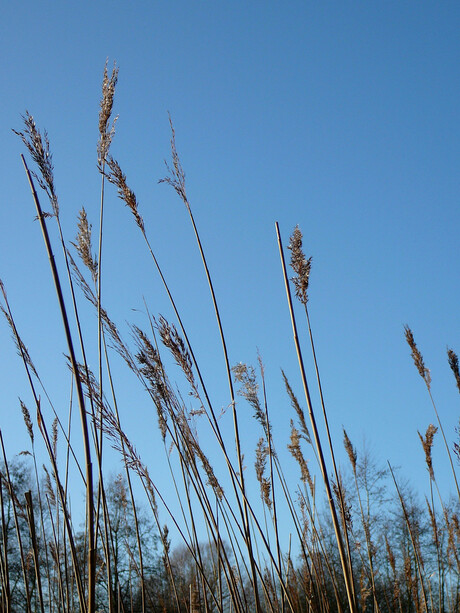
342,117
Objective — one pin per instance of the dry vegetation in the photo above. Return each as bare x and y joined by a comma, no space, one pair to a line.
371,548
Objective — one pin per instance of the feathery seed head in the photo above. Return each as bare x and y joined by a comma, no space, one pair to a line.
39,148
427,444
27,420
212,479
262,452
351,451
118,178
106,133
83,244
417,357
176,174
296,452
300,265
175,343
453,363
298,409
246,375
49,487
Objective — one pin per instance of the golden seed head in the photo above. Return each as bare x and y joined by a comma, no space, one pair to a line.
351,451
106,133
83,244
300,265
417,357
39,149
453,363
118,178
427,444
27,420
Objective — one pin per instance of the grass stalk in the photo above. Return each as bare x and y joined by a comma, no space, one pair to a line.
345,567
87,451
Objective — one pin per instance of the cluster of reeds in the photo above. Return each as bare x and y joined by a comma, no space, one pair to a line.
342,556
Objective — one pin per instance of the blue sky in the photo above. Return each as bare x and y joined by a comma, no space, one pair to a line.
340,117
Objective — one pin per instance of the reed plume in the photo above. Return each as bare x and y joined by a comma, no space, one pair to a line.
106,131
118,178
39,148
300,265
427,444
453,363
83,244
417,357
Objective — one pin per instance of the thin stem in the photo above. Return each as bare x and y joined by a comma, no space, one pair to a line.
345,567
81,402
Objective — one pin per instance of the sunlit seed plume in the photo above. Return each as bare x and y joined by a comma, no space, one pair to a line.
262,452
171,339
151,367
118,178
453,363
39,149
427,444
246,375
176,174
417,357
49,487
296,452
300,265
212,479
106,132
27,420
83,244
298,409
351,451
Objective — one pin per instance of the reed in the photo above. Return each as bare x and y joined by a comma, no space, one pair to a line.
228,553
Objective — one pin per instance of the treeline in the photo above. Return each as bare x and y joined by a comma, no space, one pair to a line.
404,554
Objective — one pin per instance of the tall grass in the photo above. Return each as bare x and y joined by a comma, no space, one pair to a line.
228,556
